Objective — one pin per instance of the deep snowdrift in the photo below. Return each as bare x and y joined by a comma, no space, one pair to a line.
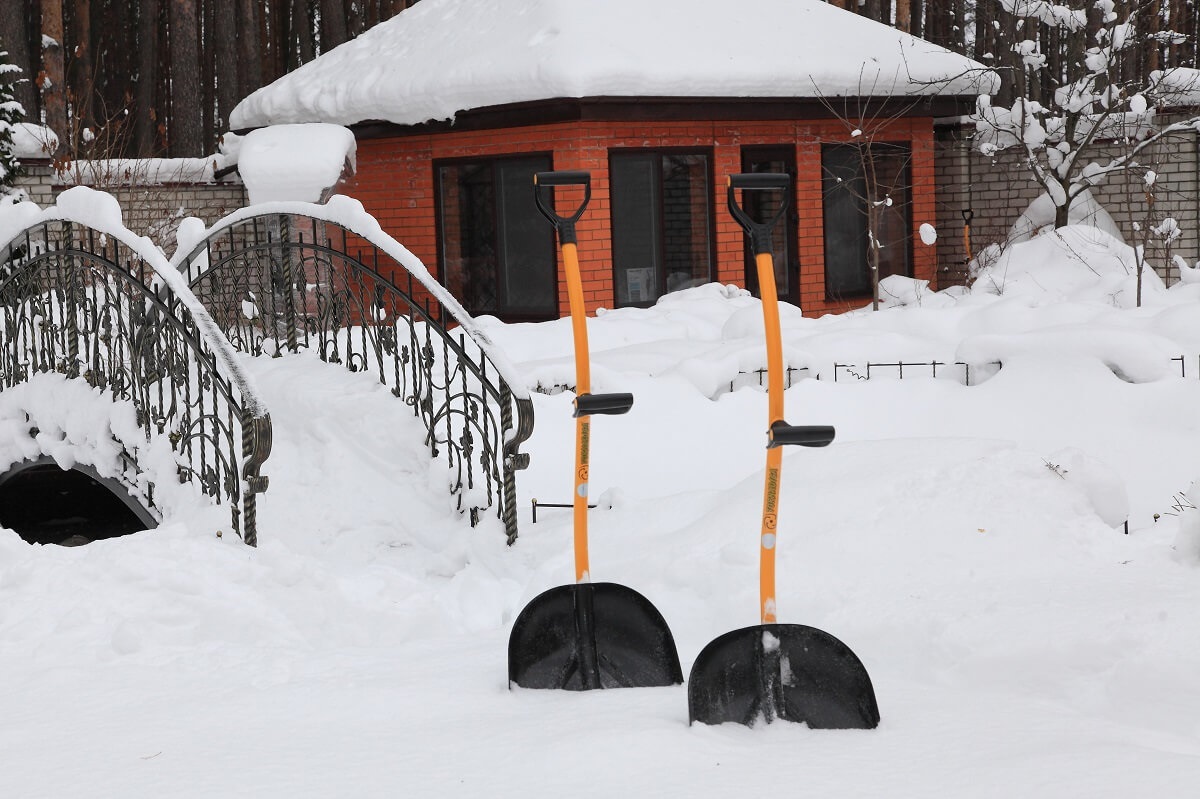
965,541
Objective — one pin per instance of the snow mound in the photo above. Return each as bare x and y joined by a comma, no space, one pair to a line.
1077,263
1038,217
1100,484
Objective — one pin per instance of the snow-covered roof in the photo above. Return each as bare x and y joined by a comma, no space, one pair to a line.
442,57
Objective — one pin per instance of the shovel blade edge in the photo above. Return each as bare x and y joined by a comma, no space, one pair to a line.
591,635
781,671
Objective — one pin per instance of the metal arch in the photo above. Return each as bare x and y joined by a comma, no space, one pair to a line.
86,304
279,282
115,487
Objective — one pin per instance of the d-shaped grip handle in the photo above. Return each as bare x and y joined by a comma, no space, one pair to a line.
759,232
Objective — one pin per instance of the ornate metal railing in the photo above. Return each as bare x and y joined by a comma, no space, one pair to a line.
105,307
326,278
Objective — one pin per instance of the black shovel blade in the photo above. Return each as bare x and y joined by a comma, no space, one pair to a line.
591,635
781,671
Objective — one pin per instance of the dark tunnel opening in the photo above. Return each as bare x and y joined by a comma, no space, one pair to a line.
47,505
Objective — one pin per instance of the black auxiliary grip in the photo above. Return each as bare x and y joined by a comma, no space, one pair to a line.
576,177
760,180
783,434
602,404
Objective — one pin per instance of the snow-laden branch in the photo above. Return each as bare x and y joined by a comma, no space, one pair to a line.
1049,13
1092,105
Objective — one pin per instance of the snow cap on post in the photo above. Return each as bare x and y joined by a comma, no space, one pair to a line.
295,162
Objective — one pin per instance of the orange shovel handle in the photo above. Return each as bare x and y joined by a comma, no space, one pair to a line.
583,385
779,432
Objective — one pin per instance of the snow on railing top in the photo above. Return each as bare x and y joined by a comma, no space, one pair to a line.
102,212
350,214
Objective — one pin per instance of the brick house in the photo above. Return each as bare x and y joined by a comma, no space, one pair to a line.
456,103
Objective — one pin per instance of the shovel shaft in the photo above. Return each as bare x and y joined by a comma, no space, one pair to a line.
770,513
583,385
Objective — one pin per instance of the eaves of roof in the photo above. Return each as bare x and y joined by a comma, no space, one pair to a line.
674,109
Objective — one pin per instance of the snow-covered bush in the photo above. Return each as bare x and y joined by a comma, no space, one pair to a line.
11,113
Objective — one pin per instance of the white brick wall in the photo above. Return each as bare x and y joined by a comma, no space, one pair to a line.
998,189
153,211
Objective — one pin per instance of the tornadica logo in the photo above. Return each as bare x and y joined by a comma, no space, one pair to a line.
772,500
581,474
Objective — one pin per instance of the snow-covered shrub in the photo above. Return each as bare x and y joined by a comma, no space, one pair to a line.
1078,263
11,113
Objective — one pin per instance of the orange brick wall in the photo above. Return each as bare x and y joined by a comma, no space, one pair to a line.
395,183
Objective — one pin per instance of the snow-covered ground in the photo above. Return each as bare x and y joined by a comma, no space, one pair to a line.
965,541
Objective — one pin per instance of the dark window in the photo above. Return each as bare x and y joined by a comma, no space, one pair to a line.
845,168
763,205
497,250
661,231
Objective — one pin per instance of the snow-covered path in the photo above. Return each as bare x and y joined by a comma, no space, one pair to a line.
1018,644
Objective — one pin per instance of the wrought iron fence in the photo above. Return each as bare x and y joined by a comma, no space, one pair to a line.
280,282
95,306
853,371
965,372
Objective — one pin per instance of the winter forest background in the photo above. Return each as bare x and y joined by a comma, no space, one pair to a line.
149,78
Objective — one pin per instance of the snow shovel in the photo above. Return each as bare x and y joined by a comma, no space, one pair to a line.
587,635
777,671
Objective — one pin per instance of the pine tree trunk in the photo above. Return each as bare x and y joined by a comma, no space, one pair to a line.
116,43
354,18
302,25
186,131
146,119
276,40
249,63
208,76
985,34
958,34
54,97
226,66
82,74
333,24
904,15
14,37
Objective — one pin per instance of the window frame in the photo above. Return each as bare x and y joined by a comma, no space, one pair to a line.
659,216
503,309
906,180
786,151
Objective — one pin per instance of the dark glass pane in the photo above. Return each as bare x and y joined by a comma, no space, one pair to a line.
635,227
526,240
895,220
846,270
762,206
469,256
497,249
686,254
